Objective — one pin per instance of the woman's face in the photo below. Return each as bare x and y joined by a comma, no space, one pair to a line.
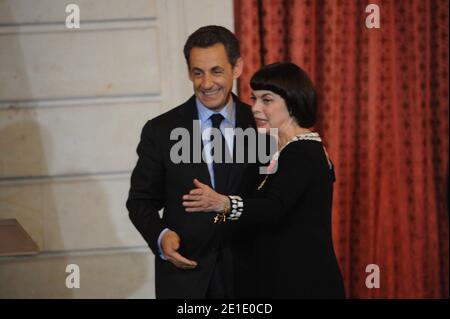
269,110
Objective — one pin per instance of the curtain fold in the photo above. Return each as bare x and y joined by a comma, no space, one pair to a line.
383,114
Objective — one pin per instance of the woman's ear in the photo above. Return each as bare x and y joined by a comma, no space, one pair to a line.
238,68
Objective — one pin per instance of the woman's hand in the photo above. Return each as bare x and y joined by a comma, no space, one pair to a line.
204,199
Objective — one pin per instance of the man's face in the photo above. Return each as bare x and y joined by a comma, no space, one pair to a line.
212,75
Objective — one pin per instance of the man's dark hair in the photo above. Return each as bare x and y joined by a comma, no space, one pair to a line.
210,35
293,85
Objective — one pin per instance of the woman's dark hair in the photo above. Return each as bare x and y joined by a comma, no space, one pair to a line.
210,35
293,85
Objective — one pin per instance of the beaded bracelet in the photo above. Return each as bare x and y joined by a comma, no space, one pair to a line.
237,207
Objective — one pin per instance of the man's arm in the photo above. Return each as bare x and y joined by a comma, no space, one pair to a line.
146,196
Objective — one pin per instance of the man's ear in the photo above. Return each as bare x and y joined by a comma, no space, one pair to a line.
189,73
238,68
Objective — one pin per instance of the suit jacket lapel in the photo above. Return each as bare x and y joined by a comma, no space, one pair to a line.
188,114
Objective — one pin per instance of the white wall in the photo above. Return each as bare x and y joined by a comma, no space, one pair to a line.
72,105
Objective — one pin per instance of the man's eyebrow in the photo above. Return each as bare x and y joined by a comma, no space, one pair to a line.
216,68
196,69
266,94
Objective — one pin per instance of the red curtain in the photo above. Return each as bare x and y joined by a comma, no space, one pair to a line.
383,101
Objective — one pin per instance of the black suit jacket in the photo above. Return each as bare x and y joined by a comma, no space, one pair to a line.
157,182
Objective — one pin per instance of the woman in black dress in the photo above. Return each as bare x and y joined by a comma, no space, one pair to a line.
292,206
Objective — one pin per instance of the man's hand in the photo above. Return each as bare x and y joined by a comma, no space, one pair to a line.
170,243
204,199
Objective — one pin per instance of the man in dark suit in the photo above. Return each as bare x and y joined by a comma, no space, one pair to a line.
194,257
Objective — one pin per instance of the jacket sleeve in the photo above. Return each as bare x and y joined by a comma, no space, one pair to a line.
146,195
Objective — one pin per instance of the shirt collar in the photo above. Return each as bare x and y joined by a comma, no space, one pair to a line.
228,112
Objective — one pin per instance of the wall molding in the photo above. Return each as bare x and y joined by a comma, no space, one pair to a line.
93,25
80,101
63,178
80,252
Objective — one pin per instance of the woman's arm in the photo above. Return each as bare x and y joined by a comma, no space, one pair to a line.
287,185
